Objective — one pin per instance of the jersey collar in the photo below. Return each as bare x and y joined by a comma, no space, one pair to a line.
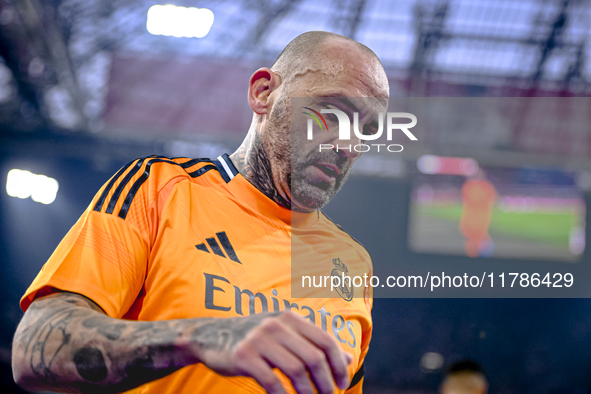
225,167
253,197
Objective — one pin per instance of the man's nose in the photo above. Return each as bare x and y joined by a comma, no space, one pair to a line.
347,150
351,148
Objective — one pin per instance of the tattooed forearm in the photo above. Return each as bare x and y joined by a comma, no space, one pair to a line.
109,331
41,356
90,364
224,334
65,344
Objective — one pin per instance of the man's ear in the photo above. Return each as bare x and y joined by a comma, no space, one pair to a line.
262,83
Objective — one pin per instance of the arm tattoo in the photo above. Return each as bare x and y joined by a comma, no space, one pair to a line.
109,331
40,359
51,327
224,334
61,331
66,335
90,364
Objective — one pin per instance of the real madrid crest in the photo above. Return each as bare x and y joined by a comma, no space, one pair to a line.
340,270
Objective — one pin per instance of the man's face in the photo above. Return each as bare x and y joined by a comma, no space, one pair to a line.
347,79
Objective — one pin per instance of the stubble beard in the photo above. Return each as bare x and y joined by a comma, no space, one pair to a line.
290,164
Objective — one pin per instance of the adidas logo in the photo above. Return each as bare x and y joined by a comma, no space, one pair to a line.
215,247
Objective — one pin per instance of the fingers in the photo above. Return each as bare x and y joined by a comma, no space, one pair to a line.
349,358
309,358
260,371
281,347
293,368
337,359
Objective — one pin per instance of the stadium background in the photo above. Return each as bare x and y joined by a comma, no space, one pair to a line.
84,88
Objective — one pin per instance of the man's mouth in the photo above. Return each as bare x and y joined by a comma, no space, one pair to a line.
328,169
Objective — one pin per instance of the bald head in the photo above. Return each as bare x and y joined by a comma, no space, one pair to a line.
465,383
315,64
306,50
464,377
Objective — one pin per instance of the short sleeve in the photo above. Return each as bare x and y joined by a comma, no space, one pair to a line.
104,255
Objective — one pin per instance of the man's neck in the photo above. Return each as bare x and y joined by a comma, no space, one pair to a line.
252,161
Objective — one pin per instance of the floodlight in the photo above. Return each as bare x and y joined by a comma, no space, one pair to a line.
25,184
170,20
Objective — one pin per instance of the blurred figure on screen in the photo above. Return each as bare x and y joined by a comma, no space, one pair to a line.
478,197
464,377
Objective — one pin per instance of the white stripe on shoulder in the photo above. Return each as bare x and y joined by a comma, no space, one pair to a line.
226,167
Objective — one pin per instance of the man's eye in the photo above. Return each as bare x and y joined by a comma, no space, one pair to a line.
331,117
369,130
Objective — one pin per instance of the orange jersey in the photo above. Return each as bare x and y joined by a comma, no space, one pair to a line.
184,238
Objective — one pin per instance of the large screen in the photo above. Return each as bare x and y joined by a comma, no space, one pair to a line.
461,208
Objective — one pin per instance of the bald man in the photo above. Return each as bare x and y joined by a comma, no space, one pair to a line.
177,277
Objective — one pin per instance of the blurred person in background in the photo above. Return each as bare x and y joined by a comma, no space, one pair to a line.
177,276
478,197
464,377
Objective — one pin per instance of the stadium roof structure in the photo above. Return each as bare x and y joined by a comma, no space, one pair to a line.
57,56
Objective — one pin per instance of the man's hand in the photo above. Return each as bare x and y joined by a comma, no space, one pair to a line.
252,346
66,343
